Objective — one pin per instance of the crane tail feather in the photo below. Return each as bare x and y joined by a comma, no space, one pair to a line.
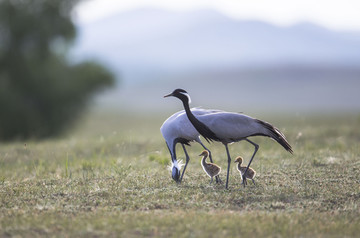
276,134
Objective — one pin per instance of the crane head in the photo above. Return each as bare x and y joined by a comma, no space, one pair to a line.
175,173
239,160
204,153
180,94
175,170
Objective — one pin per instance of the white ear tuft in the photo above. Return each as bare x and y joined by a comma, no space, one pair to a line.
188,96
181,164
170,167
176,164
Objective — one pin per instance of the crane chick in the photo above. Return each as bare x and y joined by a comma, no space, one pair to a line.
210,169
250,174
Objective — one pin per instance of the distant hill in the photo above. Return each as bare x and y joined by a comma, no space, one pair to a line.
224,63
153,39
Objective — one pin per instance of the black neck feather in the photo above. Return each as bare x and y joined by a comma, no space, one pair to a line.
204,130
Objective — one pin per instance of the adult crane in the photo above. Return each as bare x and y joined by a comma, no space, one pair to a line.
178,129
229,127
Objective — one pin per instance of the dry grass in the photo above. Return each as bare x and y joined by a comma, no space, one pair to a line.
109,178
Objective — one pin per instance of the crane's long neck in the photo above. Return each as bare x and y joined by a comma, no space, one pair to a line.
196,123
199,126
203,162
171,148
239,166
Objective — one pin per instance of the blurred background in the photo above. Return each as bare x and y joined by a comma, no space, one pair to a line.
292,57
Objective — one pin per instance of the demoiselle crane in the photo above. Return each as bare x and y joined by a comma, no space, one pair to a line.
178,129
229,127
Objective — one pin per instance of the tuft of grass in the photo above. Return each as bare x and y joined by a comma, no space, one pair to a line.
87,169
120,170
162,160
318,163
67,168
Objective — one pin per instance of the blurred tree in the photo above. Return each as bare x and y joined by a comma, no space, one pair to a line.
41,93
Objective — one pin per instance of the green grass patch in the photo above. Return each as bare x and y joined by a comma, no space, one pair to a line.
110,178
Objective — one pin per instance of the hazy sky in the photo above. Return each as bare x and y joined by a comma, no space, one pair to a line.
334,14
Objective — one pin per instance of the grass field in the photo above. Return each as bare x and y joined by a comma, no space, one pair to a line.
109,177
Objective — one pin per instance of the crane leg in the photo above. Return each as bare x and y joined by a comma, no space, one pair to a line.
228,169
252,157
186,163
244,182
217,177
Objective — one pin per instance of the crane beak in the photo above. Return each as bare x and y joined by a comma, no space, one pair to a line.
168,95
